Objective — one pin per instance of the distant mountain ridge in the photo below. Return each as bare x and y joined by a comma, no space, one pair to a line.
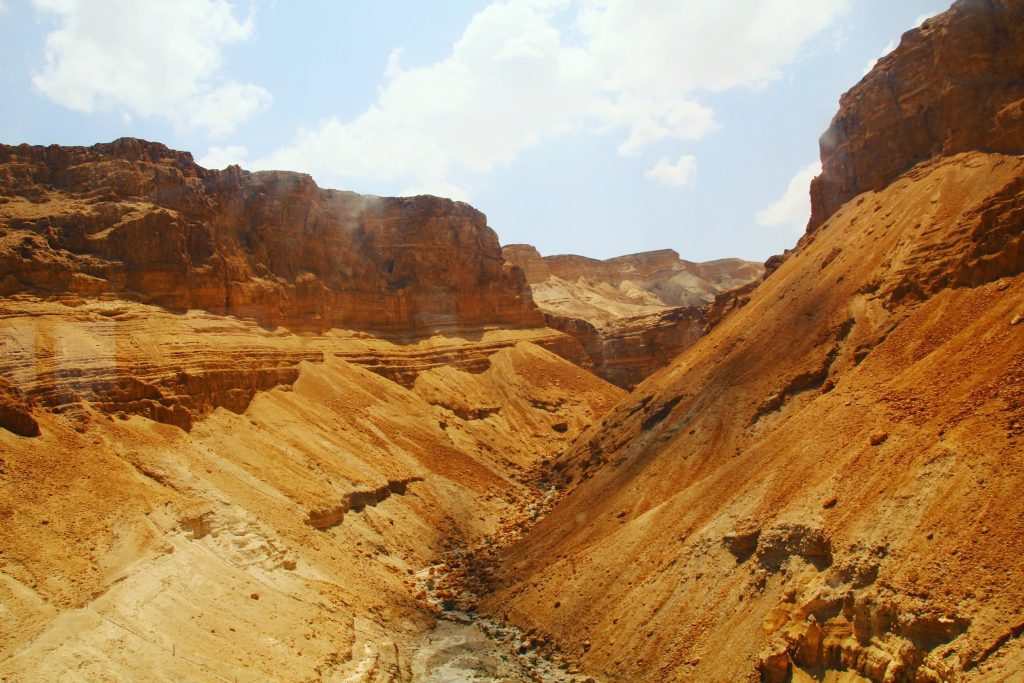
632,313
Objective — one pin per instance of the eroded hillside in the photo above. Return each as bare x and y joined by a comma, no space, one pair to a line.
843,500
826,486
282,531
198,480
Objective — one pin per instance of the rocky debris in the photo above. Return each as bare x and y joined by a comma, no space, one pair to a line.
743,542
454,586
830,623
773,546
1015,631
780,542
136,220
952,85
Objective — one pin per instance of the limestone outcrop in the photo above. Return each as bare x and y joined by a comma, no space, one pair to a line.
135,220
952,85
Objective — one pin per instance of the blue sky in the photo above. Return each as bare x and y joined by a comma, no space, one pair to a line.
597,127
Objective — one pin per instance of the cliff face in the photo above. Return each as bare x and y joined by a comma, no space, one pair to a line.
632,314
136,220
952,85
826,485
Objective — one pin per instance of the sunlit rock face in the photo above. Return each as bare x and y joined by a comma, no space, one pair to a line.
953,85
239,390
137,220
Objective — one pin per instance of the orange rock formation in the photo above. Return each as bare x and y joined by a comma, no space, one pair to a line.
135,220
238,413
952,85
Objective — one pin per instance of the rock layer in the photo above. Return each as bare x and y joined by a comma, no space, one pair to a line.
136,220
301,502
635,281
952,85
632,314
627,351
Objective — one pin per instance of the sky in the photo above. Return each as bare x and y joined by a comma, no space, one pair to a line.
594,127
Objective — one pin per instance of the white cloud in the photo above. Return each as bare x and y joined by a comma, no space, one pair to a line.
649,120
682,173
793,208
147,59
221,109
222,157
508,83
520,74
665,47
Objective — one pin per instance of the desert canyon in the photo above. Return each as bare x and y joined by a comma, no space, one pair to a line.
253,429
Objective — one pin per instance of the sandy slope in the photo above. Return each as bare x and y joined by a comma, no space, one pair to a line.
274,542
830,479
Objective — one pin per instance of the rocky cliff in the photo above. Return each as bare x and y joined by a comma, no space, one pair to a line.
952,85
632,314
136,220
826,485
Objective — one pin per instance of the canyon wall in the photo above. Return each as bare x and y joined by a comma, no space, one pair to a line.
649,278
136,220
826,485
952,85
